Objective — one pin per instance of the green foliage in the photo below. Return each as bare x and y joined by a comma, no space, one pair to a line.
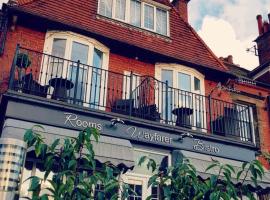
72,163
181,182
23,60
75,174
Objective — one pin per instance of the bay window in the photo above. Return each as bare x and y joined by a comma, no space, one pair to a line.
82,61
151,15
184,91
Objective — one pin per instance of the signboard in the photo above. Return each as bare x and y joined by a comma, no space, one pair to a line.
144,133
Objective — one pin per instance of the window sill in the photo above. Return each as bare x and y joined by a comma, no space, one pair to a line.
134,28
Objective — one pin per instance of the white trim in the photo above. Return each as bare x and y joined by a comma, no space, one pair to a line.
267,69
177,68
156,4
90,42
135,178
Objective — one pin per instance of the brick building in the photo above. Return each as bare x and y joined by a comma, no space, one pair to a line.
71,64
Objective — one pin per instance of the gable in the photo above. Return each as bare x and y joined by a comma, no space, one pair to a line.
183,44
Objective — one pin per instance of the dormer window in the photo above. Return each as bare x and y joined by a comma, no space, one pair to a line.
148,15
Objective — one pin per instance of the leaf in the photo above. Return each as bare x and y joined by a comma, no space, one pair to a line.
142,160
54,144
258,164
239,174
211,166
152,180
35,183
44,197
244,165
96,134
72,164
38,149
43,150
230,167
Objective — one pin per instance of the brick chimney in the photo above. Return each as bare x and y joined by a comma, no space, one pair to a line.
182,7
263,40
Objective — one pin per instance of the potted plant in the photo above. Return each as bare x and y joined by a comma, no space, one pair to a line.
23,62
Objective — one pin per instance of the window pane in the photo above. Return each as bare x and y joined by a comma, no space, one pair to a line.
155,190
56,64
135,13
167,75
79,52
120,9
105,8
136,193
95,93
161,21
184,82
59,47
97,61
149,17
197,84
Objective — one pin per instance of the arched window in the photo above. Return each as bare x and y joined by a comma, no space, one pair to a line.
85,61
185,91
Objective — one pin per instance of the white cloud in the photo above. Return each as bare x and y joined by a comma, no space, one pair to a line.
220,36
242,15
232,27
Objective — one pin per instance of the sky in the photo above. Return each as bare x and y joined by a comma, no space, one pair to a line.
228,27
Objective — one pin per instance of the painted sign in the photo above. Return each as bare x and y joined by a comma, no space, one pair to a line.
200,145
75,121
149,134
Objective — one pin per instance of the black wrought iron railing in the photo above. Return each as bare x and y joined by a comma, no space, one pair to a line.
143,97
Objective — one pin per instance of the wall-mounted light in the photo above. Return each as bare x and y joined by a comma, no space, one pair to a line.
116,121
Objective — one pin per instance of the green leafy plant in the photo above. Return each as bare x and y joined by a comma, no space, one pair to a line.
23,60
181,182
74,168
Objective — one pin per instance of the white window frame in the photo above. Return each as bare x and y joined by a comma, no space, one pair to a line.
251,120
126,83
177,68
135,178
25,184
71,37
151,3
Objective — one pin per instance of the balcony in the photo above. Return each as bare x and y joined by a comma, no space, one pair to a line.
136,96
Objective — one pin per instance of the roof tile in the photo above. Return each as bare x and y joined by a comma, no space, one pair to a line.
183,44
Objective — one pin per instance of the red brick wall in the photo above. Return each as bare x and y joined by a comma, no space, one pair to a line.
119,64
262,114
27,38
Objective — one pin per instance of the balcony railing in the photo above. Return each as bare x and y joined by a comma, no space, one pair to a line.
142,97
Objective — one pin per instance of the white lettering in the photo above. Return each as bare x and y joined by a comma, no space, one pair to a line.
201,146
147,136
74,121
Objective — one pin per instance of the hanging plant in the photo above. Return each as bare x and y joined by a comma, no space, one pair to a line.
23,60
